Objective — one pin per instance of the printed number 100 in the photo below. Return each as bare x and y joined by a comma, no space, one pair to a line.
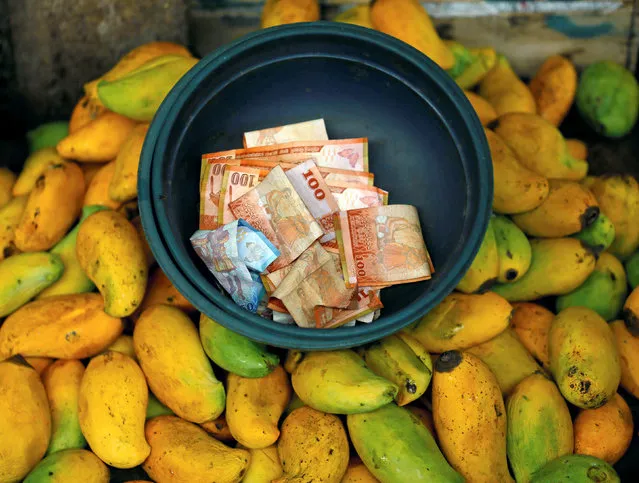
314,185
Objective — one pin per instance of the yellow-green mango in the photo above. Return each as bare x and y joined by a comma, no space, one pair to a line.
576,468
71,465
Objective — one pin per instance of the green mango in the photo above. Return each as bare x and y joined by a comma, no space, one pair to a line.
138,94
47,135
74,279
599,235
397,447
604,291
234,352
576,468
24,276
155,408
69,465
608,98
632,269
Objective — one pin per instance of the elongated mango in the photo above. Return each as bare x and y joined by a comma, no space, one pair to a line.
265,466
179,374
110,252
53,205
254,406
409,22
505,91
25,275
234,352
35,166
485,112
531,322
284,12
461,321
112,409
62,383
357,15
85,111
599,235
583,357
393,359
69,465
25,425
507,358
160,290
123,185
10,216
139,93
470,417
484,270
73,279
39,363
539,426
97,192
628,346
7,181
339,382
576,468
62,326
605,432
554,87
182,452
313,447
407,452
558,266
99,141
124,344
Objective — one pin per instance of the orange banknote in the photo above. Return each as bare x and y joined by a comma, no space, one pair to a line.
382,246
237,181
211,177
314,130
274,208
365,301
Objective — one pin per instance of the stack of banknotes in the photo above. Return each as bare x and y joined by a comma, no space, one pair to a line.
293,228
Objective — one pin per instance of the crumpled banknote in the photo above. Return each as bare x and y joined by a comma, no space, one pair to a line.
236,254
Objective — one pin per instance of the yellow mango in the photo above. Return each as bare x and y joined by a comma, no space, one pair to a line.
531,322
39,363
282,12
584,359
219,429
507,357
124,183
10,216
160,290
62,326
254,407
90,170
7,181
357,15
265,466
77,465
554,87
517,189
470,417
168,347
35,166
408,21
112,409
461,321
148,254
98,141
53,205
124,344
628,346
85,111
577,149
25,425
131,61
111,253
313,447
485,112
97,193
358,473
182,452
62,383
505,91
605,432
424,415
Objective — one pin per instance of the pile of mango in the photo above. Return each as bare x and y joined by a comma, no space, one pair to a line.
105,366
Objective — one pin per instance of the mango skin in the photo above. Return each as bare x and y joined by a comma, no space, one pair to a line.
357,15
112,402
62,327
182,452
10,216
584,359
461,321
407,452
25,425
289,11
539,426
123,186
35,166
111,253
234,352
160,290
608,98
576,468
53,205
265,466
629,355
97,191
531,322
7,181
505,91
138,94
178,372
25,275
70,465
47,135
254,407
554,87
358,473
85,111
62,383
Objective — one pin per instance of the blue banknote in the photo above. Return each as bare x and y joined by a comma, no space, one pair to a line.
236,254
